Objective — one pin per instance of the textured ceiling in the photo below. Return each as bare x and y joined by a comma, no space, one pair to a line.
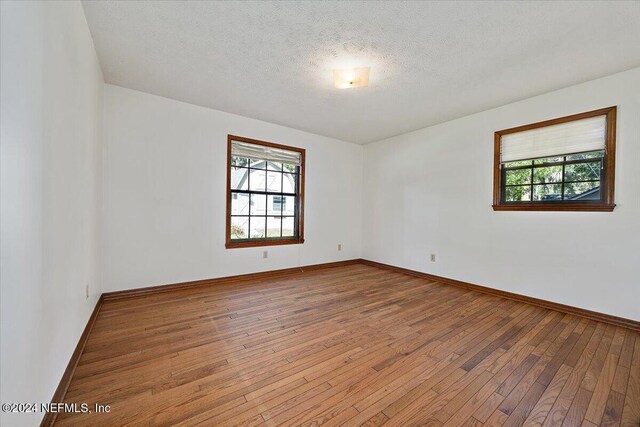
430,61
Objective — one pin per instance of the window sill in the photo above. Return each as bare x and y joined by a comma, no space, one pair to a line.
258,243
575,207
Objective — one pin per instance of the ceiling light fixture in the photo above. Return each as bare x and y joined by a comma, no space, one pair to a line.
351,77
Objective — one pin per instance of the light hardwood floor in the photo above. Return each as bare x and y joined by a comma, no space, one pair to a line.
352,345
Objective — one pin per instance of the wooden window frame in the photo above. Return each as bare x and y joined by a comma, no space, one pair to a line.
299,239
607,188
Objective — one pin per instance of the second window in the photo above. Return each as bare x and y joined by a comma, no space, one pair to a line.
265,193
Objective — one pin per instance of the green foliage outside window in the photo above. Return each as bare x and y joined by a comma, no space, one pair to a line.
543,179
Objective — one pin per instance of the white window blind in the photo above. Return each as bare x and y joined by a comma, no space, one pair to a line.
565,138
261,152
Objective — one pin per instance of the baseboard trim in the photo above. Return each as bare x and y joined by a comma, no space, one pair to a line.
49,418
130,293
588,314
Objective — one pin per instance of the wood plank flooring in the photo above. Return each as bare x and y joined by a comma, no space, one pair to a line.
352,345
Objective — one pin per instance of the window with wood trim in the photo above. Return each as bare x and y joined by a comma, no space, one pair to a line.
265,193
564,164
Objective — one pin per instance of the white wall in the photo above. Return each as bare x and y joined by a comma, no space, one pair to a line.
51,104
430,191
165,193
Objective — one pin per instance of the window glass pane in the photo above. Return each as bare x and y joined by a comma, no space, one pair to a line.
239,227
289,168
548,192
582,156
520,193
258,205
273,226
274,181
257,227
548,160
239,204
273,166
288,229
548,174
239,178
258,180
275,204
518,163
289,206
258,164
239,161
582,191
289,183
582,171
518,176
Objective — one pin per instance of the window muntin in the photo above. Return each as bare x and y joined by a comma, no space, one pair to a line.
567,180
265,196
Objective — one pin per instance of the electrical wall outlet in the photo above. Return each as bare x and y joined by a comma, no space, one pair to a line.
432,258
339,246
265,254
